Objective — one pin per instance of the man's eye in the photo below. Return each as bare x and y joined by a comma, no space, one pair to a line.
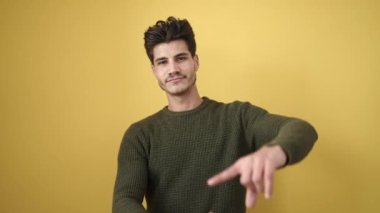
181,58
161,62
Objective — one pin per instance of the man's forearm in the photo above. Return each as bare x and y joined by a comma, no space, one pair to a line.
296,137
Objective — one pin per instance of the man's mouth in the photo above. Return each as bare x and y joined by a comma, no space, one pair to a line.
175,79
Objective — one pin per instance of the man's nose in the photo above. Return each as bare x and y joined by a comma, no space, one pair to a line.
173,68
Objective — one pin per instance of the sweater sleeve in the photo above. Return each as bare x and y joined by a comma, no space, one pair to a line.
295,136
132,175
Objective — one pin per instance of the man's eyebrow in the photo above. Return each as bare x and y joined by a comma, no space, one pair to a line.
178,55
160,59
182,54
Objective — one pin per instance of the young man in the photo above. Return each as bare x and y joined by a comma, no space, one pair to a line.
197,154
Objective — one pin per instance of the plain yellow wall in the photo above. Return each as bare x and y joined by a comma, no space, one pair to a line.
74,76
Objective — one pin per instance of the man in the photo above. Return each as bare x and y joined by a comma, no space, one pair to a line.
197,154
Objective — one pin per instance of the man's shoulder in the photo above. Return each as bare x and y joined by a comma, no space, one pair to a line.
223,102
238,108
235,104
144,124
149,120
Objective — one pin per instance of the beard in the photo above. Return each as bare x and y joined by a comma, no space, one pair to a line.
181,88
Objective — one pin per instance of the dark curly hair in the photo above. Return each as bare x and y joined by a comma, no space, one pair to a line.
169,30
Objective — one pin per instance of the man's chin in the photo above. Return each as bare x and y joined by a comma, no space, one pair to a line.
177,91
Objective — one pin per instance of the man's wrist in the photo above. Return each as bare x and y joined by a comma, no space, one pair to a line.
280,155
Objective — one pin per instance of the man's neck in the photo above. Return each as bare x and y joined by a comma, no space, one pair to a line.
184,102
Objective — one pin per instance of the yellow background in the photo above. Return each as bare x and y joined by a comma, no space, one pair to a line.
74,76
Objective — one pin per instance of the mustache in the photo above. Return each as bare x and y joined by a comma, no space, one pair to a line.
174,77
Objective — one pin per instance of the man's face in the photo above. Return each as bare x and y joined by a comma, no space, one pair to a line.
174,67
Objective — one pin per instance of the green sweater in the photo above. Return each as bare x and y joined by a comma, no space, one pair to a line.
168,157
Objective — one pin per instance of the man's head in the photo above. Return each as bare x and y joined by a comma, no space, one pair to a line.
166,31
171,47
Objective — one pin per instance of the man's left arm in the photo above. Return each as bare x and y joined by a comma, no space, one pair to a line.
278,140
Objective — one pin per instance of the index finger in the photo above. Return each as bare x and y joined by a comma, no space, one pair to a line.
227,174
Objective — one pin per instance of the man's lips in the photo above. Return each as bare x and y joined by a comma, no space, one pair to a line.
174,79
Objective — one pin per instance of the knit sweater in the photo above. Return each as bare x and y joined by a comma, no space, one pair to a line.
168,157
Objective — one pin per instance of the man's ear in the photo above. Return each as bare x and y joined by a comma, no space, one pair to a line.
196,59
152,67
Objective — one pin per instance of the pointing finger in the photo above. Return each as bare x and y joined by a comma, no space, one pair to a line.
228,174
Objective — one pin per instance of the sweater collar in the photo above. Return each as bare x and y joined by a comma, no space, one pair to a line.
204,103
